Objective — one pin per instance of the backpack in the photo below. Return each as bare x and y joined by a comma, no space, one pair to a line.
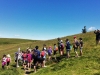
77,43
42,54
24,55
8,59
56,49
29,56
36,53
68,44
62,46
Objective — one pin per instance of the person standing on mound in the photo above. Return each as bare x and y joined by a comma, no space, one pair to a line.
97,32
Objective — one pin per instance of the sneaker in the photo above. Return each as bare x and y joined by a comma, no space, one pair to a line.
45,66
17,66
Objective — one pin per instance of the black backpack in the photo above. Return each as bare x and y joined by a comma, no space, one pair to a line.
77,43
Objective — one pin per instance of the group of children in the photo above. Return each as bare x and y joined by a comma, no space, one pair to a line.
77,44
34,57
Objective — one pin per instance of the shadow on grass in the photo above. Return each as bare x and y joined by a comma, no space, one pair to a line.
13,66
29,72
97,73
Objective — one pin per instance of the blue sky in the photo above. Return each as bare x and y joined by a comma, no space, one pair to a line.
47,19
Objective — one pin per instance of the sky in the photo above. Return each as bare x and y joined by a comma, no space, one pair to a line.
47,19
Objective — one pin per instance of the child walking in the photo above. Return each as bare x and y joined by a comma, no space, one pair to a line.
55,50
81,46
68,48
50,52
8,60
4,61
75,46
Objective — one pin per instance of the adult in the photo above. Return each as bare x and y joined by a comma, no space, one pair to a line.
97,32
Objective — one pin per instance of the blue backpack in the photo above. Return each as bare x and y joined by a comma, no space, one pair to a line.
68,44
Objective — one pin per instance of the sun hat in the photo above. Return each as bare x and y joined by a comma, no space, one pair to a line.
8,55
61,41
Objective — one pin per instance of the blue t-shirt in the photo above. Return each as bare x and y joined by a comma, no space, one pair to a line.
49,51
67,45
37,53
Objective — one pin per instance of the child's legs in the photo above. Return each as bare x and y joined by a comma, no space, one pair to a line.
68,53
35,68
55,54
75,49
3,64
80,51
8,64
61,52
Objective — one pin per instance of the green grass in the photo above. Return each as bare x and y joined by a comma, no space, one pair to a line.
88,64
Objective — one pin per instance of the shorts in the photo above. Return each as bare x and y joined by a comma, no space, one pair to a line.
81,48
61,49
29,61
3,63
67,50
75,48
8,63
49,54
55,52
35,62
40,60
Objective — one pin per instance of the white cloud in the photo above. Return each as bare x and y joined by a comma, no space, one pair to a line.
17,35
91,28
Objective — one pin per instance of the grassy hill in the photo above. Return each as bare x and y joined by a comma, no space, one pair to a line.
88,64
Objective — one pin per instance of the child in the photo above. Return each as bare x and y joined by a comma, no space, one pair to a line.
75,46
68,48
61,48
81,46
8,60
4,61
55,50
45,48
29,58
43,56
24,56
49,52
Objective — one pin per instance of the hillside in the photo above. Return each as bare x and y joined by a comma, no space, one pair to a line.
88,64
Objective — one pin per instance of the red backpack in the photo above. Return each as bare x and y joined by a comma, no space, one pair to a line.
8,59
62,46
42,54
